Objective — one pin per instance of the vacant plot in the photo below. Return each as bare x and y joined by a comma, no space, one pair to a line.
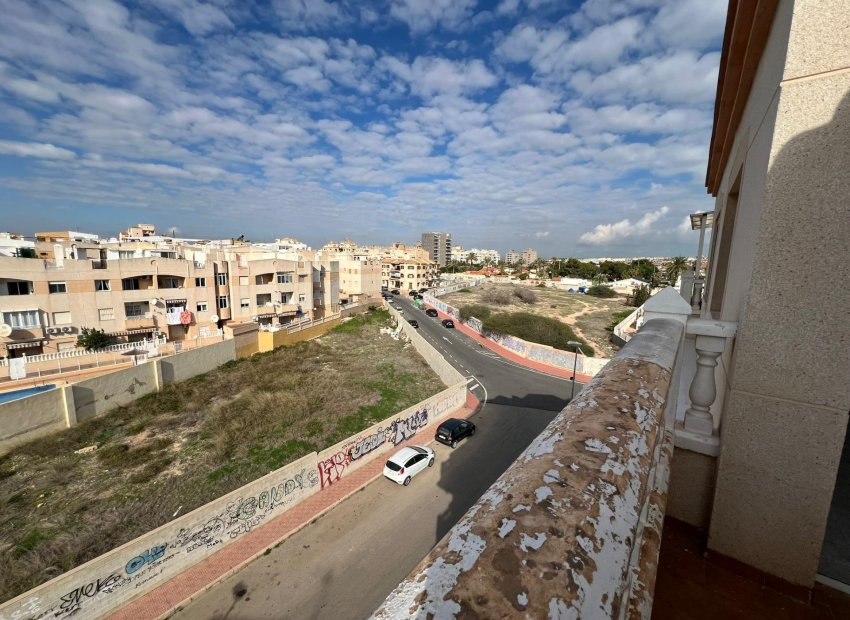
171,452
588,316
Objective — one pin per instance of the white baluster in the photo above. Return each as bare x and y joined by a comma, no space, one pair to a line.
703,390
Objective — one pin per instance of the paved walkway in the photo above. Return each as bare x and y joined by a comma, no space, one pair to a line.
162,600
514,357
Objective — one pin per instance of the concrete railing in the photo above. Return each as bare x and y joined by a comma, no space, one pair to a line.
572,529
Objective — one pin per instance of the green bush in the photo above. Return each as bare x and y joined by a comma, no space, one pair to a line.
92,338
533,328
616,318
641,294
601,291
526,295
477,310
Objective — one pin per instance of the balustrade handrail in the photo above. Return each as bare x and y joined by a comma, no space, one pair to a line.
585,503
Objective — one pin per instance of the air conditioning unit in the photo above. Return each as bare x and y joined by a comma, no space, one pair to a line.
51,330
67,329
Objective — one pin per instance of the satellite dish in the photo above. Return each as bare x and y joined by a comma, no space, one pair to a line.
5,330
214,318
152,302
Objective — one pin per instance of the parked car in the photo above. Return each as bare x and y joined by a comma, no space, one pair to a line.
417,296
414,323
411,293
431,312
399,309
422,290
395,291
408,462
453,430
448,323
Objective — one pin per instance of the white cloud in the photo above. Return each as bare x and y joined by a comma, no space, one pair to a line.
35,149
309,14
605,234
423,15
674,25
198,18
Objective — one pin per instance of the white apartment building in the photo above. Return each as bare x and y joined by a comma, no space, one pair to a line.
409,274
475,255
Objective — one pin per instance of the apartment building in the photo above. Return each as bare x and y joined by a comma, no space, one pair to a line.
359,270
409,274
526,256
439,247
134,290
475,255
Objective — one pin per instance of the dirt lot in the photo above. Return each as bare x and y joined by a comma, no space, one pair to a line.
171,452
588,316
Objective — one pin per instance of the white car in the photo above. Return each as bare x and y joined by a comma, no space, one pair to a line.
408,462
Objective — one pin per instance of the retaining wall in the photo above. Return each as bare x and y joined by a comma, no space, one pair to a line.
447,373
110,581
35,416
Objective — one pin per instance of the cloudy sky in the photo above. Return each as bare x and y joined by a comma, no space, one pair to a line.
575,128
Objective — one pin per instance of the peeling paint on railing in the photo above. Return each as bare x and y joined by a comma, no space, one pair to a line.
572,529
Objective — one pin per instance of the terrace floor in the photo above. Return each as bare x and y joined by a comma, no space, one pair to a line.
691,587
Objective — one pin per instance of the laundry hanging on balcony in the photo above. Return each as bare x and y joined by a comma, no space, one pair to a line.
172,316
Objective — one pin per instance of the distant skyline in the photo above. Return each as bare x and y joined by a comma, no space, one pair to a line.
577,129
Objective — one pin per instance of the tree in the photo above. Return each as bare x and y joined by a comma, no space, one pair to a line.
92,338
677,266
471,258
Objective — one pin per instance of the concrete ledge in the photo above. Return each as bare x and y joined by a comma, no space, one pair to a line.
572,528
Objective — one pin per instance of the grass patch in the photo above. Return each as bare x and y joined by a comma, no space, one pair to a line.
194,442
534,328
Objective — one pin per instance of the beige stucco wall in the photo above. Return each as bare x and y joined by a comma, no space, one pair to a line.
28,418
788,397
97,396
177,368
691,487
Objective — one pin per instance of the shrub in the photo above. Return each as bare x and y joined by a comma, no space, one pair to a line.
526,295
92,338
641,294
500,297
465,290
533,328
616,318
477,310
601,291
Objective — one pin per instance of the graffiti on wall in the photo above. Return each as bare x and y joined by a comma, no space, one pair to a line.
237,518
555,357
398,431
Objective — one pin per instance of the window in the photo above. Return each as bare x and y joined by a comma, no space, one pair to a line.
284,278
170,283
201,282
222,301
126,253
221,280
302,277
201,306
302,297
134,310
286,298
101,285
57,287
22,319
61,318
19,288
243,280
244,303
130,284
106,314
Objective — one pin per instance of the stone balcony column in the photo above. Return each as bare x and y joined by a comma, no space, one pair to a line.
696,298
710,338
686,288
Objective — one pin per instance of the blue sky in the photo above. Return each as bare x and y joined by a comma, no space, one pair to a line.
575,128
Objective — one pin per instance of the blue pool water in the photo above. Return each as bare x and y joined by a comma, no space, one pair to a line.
16,394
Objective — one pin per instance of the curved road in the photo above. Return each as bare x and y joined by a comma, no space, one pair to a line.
344,564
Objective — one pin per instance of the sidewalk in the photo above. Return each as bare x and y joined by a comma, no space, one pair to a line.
510,355
180,590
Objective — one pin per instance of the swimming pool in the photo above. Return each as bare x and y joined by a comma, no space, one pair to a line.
5,397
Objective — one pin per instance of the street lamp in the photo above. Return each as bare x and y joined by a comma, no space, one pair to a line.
577,346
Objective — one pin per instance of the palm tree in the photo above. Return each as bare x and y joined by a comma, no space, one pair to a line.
677,266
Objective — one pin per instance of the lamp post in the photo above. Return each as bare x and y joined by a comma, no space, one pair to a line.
577,347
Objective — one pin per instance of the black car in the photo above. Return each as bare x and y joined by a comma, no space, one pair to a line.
414,323
395,291
448,323
423,290
431,312
417,296
411,293
453,430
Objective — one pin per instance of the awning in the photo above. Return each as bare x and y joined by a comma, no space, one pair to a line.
266,315
25,345
175,302
130,332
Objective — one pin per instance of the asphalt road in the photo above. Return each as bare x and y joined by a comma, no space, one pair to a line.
347,562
